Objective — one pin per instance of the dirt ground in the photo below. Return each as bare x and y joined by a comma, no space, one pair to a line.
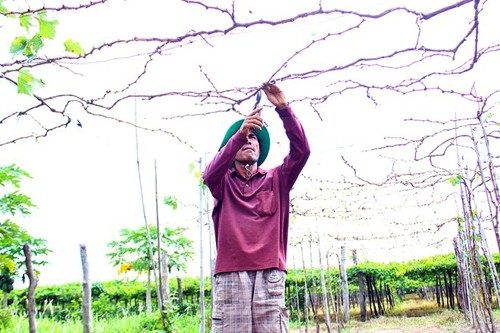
431,328
432,324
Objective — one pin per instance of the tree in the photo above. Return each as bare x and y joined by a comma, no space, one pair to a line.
12,236
131,251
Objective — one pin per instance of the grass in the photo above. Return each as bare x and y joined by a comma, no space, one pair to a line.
129,324
411,316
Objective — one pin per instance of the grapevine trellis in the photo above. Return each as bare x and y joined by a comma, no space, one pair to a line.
404,79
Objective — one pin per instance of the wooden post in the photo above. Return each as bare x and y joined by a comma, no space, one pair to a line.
31,289
87,293
345,287
361,283
5,300
164,279
452,294
180,294
377,295
373,308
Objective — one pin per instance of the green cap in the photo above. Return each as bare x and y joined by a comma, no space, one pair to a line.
262,136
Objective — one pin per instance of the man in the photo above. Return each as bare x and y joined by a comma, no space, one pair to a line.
250,216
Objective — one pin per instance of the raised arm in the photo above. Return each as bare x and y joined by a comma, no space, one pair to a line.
214,173
299,152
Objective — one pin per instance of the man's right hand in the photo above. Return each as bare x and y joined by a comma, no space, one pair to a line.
274,95
251,122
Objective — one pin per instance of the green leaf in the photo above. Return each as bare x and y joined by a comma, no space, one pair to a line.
12,174
8,231
25,22
73,47
18,45
10,265
171,201
33,46
26,82
15,202
47,27
456,180
35,43
201,184
191,167
3,10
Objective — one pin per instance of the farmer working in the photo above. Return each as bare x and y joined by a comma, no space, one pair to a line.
250,217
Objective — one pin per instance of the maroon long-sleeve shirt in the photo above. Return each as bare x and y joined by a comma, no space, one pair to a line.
251,216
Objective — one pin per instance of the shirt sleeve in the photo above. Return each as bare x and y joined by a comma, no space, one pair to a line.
299,152
214,173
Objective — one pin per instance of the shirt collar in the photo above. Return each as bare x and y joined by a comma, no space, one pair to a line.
233,171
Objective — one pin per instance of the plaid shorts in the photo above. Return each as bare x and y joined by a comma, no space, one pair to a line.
250,302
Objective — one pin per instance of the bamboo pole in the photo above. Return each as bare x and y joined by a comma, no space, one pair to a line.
148,234
148,292
493,179
297,294
332,299
468,236
211,244
315,298
493,216
323,288
306,291
159,252
202,284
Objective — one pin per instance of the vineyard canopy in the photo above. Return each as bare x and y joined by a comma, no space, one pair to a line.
389,94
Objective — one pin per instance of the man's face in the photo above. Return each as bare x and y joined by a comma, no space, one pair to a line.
250,152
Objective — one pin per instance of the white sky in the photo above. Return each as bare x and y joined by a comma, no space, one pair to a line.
85,182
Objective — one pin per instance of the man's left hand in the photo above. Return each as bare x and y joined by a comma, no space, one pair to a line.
251,122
